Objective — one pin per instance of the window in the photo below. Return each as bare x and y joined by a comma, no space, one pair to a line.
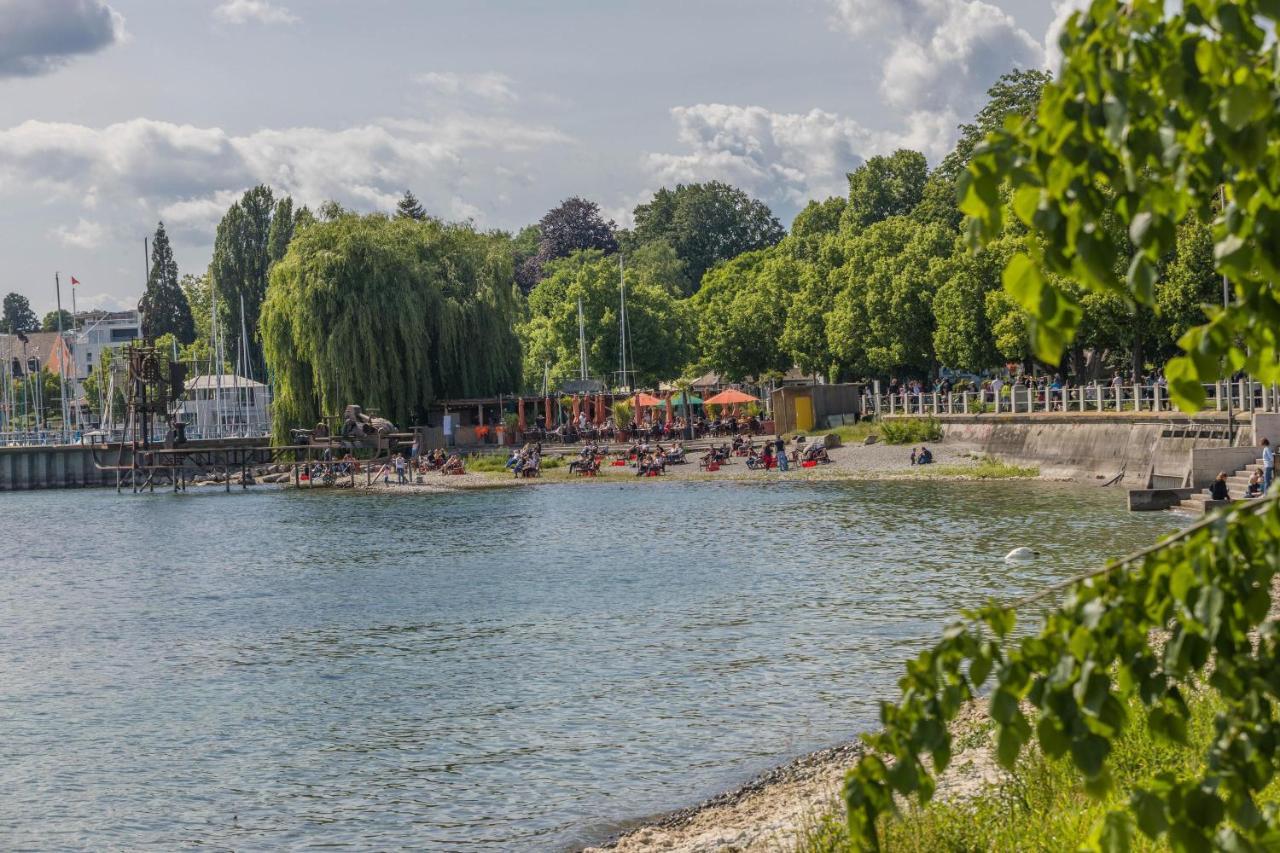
118,335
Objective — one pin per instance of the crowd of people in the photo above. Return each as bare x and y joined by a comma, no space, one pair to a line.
651,424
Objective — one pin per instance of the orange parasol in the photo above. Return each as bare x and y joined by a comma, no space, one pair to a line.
574,410
646,401
520,422
547,411
730,397
600,416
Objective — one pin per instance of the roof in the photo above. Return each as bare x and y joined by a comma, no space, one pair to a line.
38,344
224,380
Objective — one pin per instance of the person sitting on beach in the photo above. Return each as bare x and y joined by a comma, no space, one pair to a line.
1254,489
925,457
453,465
1218,491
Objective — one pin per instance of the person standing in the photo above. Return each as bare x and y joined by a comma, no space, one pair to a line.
781,447
1268,465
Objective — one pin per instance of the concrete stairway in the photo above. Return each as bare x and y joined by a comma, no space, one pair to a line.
1236,484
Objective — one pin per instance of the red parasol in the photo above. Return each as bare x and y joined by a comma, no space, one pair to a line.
520,422
600,415
550,423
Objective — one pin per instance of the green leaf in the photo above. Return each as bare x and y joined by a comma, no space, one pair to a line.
1149,810
1114,834
1184,384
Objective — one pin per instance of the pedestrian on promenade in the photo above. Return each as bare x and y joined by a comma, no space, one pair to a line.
1268,465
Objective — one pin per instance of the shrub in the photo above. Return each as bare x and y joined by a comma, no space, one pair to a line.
911,430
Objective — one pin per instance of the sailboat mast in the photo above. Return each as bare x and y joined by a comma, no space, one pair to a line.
582,344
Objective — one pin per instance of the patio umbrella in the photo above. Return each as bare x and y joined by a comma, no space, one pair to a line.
600,415
668,410
520,422
647,401
550,423
731,397
575,409
682,399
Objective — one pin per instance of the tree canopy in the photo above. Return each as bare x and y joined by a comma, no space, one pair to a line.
572,226
659,323
706,224
885,186
391,314
18,317
164,306
253,234
50,321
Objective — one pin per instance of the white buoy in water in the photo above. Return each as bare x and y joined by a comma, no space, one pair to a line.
1018,555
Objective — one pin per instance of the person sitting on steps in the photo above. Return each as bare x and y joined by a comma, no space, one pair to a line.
1218,491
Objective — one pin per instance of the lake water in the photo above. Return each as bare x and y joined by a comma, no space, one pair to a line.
515,669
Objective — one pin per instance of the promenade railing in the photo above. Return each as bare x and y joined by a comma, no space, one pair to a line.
1244,396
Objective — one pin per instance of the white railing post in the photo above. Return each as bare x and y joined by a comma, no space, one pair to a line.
935,402
875,389
1097,395
964,401
891,407
1155,397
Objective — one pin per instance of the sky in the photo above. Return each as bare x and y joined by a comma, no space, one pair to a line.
116,114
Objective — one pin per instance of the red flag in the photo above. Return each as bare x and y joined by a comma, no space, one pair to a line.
74,281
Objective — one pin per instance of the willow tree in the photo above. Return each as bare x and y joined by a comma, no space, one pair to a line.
391,314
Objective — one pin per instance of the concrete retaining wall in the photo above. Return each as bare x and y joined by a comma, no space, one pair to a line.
1139,453
72,466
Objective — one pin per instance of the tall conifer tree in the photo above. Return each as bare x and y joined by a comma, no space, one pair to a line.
164,306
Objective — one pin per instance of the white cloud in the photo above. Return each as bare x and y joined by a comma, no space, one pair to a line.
39,36
1062,11
487,85
85,234
938,58
246,11
188,175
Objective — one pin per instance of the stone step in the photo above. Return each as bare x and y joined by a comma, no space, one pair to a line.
1200,507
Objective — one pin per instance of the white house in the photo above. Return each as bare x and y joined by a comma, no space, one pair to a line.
226,406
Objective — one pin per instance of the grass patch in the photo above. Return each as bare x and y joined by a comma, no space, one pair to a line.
493,463
988,468
1042,807
911,430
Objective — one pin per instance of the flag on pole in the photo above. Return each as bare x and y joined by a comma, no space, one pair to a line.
74,281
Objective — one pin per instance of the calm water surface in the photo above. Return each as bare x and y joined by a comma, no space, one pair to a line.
516,669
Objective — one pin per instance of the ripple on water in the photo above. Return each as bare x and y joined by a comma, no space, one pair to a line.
513,668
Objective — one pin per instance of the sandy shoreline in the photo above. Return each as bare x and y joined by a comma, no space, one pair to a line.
775,810
859,462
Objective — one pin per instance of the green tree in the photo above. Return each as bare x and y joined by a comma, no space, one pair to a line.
819,218
706,224
18,316
164,306
742,312
50,321
970,334
283,223
659,323
1014,94
524,248
882,317
885,186
1189,284
391,314
243,252
409,208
